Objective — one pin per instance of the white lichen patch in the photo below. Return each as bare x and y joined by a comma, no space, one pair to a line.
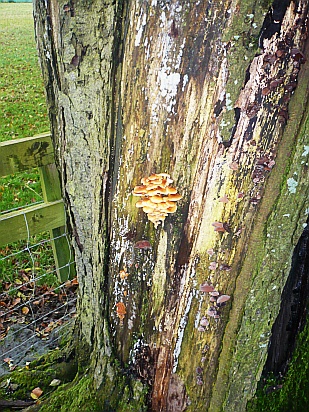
198,313
229,103
306,151
168,83
141,23
292,185
181,331
165,76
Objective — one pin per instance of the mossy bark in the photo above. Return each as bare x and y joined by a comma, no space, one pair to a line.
136,88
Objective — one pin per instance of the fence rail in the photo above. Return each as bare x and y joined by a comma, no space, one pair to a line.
25,154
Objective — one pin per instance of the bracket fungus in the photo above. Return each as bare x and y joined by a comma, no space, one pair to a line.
157,197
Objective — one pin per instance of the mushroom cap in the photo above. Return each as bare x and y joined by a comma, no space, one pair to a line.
204,321
139,203
214,293
166,175
201,329
206,287
144,180
157,199
157,214
223,298
147,201
154,176
151,186
174,197
171,190
162,189
172,209
148,209
211,311
142,244
140,190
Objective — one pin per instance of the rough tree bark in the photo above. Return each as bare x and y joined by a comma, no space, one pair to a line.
215,94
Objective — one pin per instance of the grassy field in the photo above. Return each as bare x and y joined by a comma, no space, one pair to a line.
22,113
22,101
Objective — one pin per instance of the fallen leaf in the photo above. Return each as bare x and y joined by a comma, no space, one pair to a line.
55,382
14,387
36,393
16,301
25,310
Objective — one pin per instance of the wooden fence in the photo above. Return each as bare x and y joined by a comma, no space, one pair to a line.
21,155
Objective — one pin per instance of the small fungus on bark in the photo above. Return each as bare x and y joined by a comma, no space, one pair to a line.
204,321
123,274
223,298
224,199
158,198
121,311
219,227
206,287
210,252
212,311
142,244
213,265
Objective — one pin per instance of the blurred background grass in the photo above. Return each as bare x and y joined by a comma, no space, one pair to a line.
22,99
23,113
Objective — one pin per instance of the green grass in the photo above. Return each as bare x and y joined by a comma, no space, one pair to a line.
17,264
22,101
22,113
20,189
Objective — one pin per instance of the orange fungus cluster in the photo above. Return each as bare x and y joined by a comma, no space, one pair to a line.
158,198
121,311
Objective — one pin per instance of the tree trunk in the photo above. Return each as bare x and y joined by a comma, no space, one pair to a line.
214,94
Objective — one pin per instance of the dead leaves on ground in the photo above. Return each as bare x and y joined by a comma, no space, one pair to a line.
42,303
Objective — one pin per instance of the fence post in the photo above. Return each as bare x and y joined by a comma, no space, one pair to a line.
63,252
